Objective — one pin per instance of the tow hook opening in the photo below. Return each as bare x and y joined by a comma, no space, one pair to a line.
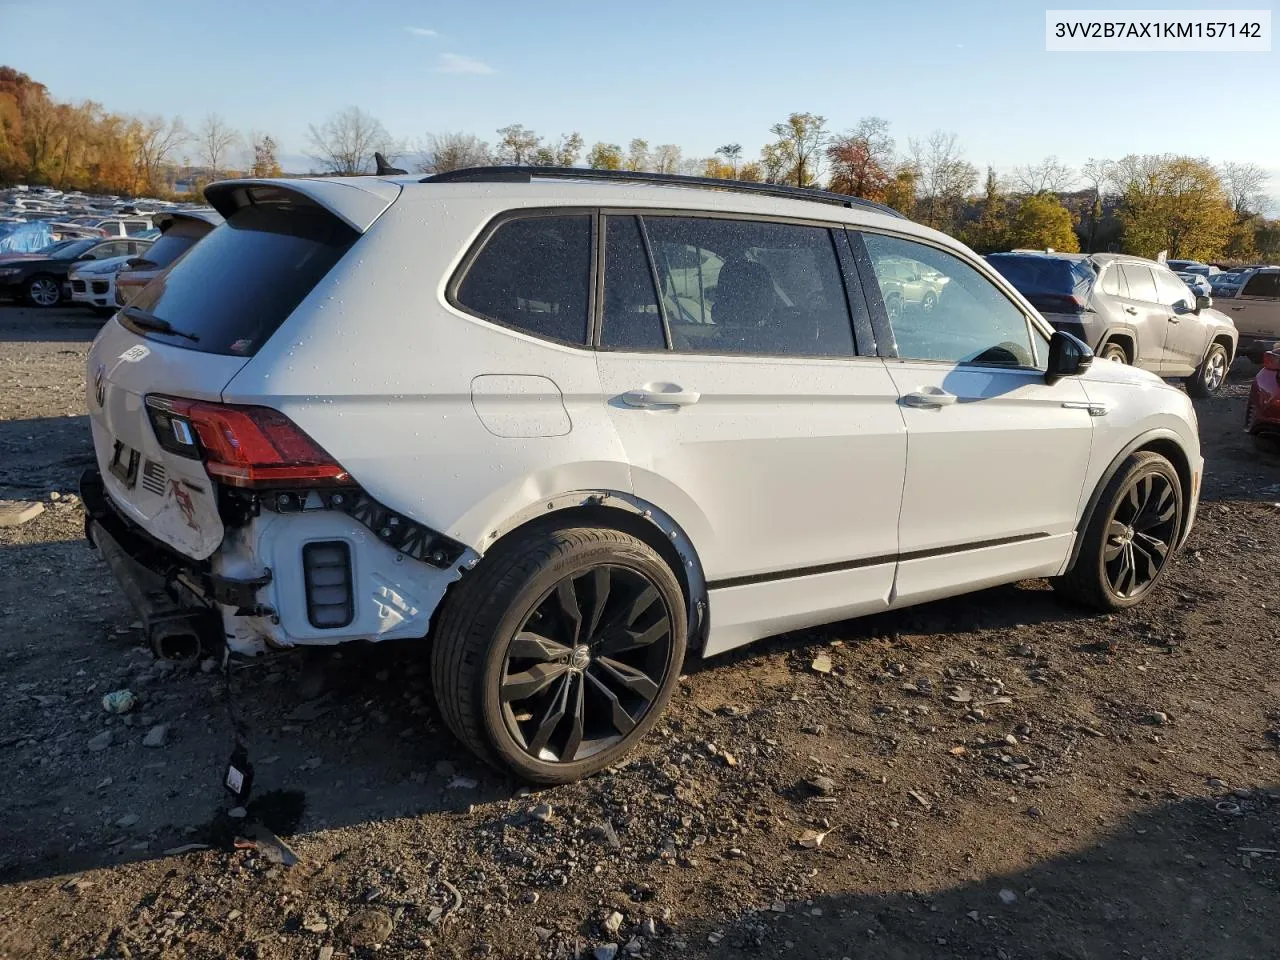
186,639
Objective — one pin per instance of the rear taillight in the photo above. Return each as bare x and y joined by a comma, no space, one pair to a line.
242,446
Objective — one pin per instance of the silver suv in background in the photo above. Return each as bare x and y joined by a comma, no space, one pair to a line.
1128,310
1256,311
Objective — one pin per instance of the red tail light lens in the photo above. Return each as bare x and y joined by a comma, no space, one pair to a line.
243,446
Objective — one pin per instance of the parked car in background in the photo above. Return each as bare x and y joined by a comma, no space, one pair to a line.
1227,284
1192,266
1128,310
469,412
1197,283
41,278
1256,312
1262,412
93,284
124,227
179,232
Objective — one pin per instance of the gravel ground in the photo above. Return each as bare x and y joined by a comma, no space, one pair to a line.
997,776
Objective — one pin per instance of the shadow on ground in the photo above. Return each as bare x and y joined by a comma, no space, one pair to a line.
1190,878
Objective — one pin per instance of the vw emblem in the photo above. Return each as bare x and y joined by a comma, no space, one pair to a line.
580,657
100,384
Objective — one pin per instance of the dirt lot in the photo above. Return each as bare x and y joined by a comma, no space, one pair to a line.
998,776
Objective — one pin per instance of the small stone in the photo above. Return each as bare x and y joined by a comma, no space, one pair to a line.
157,736
606,952
1007,896
811,839
237,813
128,820
461,783
972,914
729,759
821,664
543,934
366,928
778,907
649,928
542,812
823,786
1010,740
530,897
1217,784
100,742
208,665
119,701
1157,718
326,953
315,926
613,923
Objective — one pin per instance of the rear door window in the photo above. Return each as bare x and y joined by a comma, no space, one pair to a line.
1113,282
234,288
534,274
1266,285
631,318
739,286
1141,284
1170,289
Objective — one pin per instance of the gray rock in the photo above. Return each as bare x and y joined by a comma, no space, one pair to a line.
606,952
542,812
823,786
157,736
649,928
128,820
366,928
101,741
14,513
326,953
1157,718
612,924
1007,896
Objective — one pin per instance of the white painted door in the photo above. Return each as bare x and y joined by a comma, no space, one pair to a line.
996,457
740,403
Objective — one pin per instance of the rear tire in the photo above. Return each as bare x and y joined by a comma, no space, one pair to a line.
1135,527
1211,374
544,696
1114,352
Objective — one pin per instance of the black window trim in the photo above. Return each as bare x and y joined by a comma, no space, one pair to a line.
533,213
871,290
689,213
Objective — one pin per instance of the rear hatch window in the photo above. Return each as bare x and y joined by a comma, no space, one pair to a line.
238,284
173,243
1050,283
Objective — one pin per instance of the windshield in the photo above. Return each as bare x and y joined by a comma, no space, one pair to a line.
73,249
1036,275
243,280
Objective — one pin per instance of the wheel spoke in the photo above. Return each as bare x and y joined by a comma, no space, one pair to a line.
634,680
522,685
577,711
1131,569
600,579
533,646
620,641
1153,545
551,719
567,595
1148,561
621,720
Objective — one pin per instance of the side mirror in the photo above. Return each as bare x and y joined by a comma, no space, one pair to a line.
1068,357
1203,302
135,262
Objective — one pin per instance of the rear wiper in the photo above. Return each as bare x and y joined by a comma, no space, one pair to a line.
149,321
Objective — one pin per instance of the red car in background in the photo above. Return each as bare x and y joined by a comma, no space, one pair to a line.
1262,413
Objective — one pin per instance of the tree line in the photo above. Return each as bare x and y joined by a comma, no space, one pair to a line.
1140,204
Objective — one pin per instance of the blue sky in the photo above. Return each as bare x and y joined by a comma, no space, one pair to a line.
695,74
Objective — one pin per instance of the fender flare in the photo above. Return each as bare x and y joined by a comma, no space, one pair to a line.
1142,440
662,525
1129,332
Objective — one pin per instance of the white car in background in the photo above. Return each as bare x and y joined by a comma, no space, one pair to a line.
568,427
93,284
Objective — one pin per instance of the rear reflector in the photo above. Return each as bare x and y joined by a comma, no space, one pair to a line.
326,568
242,446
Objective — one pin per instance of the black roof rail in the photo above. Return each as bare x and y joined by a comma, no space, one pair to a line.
521,174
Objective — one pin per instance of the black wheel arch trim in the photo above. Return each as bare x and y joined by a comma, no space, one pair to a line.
1163,438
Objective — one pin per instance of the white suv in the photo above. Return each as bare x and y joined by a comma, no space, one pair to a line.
571,426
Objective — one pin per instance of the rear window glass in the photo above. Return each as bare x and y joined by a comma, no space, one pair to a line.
242,280
1033,275
534,274
173,243
1262,285
1142,285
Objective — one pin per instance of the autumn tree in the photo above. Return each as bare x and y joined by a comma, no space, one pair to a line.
751,172
264,162
717,169
216,140
156,141
605,156
563,152
944,178
992,230
517,145
1173,203
795,155
345,143
443,152
1040,222
637,155
1245,184
900,192
1050,175
860,161
732,153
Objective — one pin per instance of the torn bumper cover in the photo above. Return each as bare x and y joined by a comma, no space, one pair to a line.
162,585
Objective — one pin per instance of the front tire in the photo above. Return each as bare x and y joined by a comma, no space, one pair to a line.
555,656
1115,353
1211,374
1131,537
43,291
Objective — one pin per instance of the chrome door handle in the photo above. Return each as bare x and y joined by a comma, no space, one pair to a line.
1131,310
646,399
928,399
1173,319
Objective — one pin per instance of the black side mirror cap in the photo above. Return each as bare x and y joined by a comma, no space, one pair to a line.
1069,356
1203,302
